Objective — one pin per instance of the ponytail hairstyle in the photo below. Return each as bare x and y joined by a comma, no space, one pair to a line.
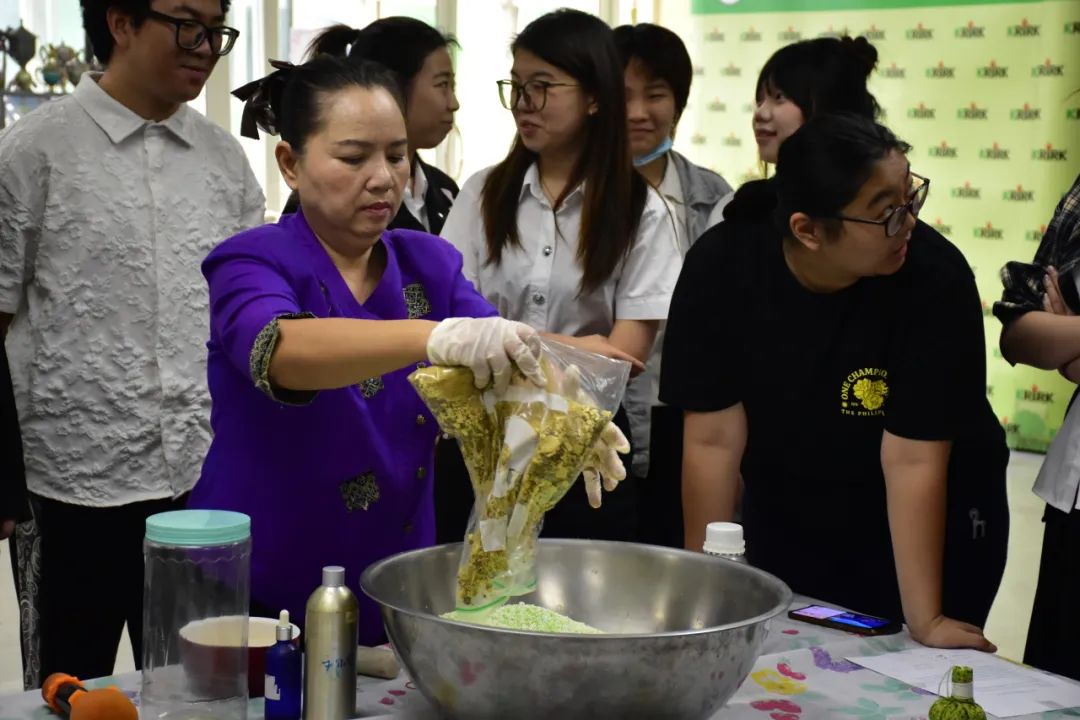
824,75
289,102
401,44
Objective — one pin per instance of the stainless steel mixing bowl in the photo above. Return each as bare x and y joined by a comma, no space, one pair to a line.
685,629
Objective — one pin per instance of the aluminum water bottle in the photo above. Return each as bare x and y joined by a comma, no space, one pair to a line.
725,539
330,652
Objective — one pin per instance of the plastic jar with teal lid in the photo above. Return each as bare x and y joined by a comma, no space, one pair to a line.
195,616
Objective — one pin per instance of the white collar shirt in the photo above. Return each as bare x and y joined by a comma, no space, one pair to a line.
538,283
416,202
107,218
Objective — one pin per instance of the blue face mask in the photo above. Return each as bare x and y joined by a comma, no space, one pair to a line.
660,149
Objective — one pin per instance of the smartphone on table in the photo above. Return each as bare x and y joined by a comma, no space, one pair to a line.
846,621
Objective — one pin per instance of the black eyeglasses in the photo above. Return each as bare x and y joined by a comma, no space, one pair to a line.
894,221
191,34
535,93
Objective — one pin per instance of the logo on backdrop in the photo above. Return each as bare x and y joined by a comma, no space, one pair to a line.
749,175
966,192
874,33
921,112
717,106
748,108
989,232
919,33
971,30
1026,113
1035,235
973,112
750,35
1024,29
1018,194
789,36
944,150
732,70
863,393
993,71
941,71
698,139
833,33
732,140
941,227
994,152
1048,69
715,36
893,72
1010,428
1072,28
1034,394
1050,154
1072,113
699,70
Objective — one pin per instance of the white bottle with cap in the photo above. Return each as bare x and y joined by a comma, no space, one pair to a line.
725,539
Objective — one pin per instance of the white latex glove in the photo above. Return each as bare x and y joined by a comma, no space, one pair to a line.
604,464
490,347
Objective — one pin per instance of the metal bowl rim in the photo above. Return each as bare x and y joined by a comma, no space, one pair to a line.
785,601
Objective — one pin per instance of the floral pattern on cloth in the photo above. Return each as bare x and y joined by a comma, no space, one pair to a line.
261,352
416,300
360,492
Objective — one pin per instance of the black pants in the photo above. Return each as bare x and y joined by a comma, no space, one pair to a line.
572,517
89,581
661,514
1055,620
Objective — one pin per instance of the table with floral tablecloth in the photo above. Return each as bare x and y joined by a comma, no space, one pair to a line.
801,675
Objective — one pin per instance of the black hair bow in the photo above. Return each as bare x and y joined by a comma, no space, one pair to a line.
261,97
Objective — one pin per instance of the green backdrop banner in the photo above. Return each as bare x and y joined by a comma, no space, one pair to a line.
984,91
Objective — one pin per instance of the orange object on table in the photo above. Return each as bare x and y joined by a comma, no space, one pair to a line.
66,696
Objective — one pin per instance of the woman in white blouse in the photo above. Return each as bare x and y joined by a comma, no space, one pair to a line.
563,234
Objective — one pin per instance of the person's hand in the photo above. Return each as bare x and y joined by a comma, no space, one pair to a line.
599,345
603,465
1053,301
7,529
943,632
490,347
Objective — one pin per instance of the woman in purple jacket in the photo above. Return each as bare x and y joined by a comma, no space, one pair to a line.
316,323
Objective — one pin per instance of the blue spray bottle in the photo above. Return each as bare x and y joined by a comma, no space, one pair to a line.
284,663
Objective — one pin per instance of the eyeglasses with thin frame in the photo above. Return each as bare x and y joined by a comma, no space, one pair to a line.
535,93
894,221
191,34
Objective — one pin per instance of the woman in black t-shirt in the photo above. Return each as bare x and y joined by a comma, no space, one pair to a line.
830,347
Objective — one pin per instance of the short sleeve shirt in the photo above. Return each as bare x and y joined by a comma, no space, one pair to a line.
106,219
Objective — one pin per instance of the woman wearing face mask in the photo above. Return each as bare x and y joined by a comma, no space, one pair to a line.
658,74
419,57
841,367
316,322
563,235
806,79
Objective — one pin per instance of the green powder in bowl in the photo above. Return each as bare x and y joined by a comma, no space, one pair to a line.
522,616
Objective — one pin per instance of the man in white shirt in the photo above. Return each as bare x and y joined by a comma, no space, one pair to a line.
111,198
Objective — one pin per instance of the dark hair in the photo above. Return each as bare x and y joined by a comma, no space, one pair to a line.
96,24
824,75
583,46
821,167
401,44
288,102
663,54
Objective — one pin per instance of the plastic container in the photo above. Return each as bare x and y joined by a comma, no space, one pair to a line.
725,539
195,616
